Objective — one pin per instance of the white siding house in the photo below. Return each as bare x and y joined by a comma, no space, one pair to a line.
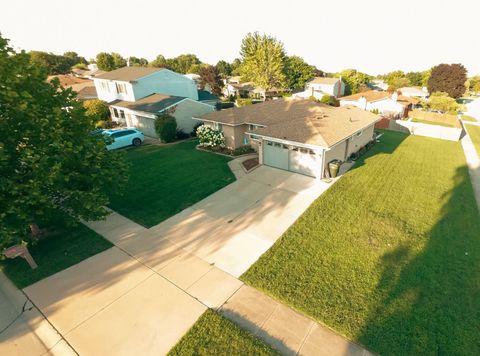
133,83
383,102
320,86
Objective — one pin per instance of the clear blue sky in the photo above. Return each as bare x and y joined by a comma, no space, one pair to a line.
369,35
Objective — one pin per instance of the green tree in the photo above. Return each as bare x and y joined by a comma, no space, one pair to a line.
159,62
210,77
224,68
448,78
138,62
442,101
415,78
73,58
53,64
236,66
50,163
397,83
183,63
197,68
166,127
96,109
105,61
263,61
118,61
354,80
474,84
297,72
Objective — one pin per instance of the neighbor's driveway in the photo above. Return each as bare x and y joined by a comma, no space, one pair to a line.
142,295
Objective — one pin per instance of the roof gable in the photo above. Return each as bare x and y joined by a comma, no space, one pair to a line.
128,74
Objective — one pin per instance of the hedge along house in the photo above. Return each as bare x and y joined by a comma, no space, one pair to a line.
136,95
297,135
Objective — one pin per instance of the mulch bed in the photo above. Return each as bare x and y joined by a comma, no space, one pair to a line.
250,163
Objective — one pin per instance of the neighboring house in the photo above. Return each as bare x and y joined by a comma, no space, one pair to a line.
89,73
143,112
85,88
294,134
204,96
133,83
321,86
136,95
233,86
414,92
388,104
378,84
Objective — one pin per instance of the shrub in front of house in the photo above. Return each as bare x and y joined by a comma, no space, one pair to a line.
209,137
244,101
166,127
242,150
329,100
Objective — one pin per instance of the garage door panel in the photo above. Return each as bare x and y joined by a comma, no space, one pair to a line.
275,155
304,162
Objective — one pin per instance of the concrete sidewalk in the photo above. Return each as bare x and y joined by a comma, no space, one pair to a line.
24,331
473,163
286,330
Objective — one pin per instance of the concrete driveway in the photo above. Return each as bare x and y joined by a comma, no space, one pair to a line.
141,296
234,226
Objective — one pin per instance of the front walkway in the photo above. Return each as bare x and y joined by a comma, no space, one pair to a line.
141,296
23,330
473,163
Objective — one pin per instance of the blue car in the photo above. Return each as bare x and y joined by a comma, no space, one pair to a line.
124,137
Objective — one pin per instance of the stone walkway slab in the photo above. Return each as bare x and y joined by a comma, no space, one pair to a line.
286,330
27,333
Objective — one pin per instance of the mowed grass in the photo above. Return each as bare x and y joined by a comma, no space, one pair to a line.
432,122
474,133
63,248
164,180
390,255
213,334
469,118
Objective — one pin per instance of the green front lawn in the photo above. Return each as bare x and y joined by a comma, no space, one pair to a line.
213,334
164,180
61,249
474,133
469,118
437,123
390,255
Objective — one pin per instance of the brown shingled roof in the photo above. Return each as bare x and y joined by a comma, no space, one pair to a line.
373,95
298,120
153,103
128,74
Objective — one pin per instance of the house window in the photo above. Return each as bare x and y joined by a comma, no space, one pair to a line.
122,114
115,112
251,127
105,86
121,88
245,140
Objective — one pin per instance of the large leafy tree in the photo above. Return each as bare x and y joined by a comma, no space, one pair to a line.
50,163
354,80
105,61
183,62
53,63
224,68
159,62
442,101
297,72
138,62
474,84
448,78
118,60
263,61
209,76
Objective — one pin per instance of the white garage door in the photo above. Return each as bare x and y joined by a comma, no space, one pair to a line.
295,159
304,161
144,124
275,154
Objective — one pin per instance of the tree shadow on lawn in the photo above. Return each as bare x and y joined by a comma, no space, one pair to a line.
430,300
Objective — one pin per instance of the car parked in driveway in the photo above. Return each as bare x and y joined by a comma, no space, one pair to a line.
124,137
